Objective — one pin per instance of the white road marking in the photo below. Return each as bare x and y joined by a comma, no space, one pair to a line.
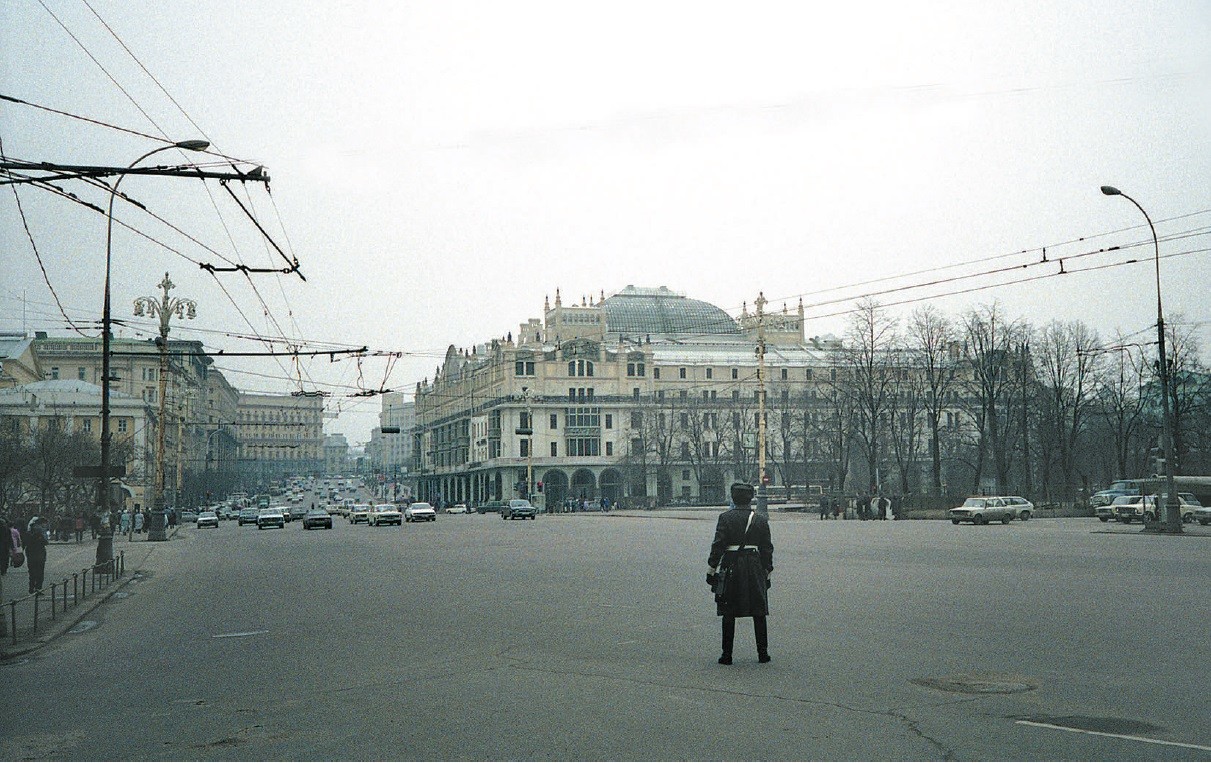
238,635
1131,737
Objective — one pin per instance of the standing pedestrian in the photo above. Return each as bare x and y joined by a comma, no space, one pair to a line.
139,521
864,506
6,555
824,509
36,538
124,523
79,528
743,552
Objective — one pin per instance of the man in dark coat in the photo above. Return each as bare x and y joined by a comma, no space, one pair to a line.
35,552
743,548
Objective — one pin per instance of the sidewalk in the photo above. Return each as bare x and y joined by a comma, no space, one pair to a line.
63,560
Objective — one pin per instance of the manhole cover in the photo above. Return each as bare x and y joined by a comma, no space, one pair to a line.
979,684
83,625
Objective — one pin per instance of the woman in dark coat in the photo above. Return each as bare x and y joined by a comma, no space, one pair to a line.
35,552
742,546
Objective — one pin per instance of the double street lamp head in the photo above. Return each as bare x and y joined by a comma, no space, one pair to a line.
193,145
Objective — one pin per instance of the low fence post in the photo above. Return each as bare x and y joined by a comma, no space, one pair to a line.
13,607
75,588
37,601
53,600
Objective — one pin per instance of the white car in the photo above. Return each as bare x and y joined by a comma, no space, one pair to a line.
420,512
457,508
1022,509
208,519
981,510
359,512
384,514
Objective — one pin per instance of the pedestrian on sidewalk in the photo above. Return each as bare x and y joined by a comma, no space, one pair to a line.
138,521
79,528
8,553
35,541
743,553
124,523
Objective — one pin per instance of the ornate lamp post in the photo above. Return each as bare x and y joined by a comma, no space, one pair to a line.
164,308
1171,519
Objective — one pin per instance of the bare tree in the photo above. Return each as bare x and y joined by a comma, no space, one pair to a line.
872,336
1120,385
1067,356
907,403
990,337
932,338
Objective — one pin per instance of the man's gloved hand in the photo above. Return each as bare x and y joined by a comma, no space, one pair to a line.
711,577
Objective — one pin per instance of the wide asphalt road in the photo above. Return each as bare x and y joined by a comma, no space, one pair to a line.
594,637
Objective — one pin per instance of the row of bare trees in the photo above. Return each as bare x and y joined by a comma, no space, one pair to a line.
939,405
37,472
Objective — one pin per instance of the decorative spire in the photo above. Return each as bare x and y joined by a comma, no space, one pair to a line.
558,303
546,304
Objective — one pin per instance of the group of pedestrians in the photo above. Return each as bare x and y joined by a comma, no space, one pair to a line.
866,506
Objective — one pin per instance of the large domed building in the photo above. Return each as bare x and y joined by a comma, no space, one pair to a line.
646,396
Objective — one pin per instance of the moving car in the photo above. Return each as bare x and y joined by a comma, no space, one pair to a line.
384,514
359,512
208,519
317,518
518,508
247,517
457,508
420,512
1022,509
490,507
1117,489
270,517
981,511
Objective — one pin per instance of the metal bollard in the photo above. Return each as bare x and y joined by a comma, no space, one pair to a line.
53,600
13,606
37,600
75,588
64,594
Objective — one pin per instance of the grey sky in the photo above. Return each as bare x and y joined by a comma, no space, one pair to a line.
439,168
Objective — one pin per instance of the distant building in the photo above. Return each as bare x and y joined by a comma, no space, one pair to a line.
18,360
280,435
336,455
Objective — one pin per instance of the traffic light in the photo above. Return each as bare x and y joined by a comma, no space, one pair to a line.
540,487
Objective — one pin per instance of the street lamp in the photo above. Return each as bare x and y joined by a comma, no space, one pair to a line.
164,308
1172,521
105,544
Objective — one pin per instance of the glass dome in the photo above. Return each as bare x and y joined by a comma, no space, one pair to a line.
638,311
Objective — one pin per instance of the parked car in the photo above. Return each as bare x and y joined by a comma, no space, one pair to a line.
359,512
1147,508
1202,515
457,508
1022,509
420,512
270,517
490,507
1108,511
982,510
1117,488
317,518
208,519
384,514
518,508
1190,505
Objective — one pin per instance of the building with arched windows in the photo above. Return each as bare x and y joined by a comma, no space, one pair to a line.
643,397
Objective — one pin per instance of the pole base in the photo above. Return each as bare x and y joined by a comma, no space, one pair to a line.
155,526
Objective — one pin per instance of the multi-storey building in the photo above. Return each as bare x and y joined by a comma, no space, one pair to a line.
280,435
645,396
71,405
336,454
18,360
397,413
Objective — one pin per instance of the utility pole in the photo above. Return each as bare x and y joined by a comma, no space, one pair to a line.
762,494
164,308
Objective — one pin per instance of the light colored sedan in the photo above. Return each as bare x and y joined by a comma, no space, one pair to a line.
359,512
208,519
1022,509
420,512
457,508
981,511
384,514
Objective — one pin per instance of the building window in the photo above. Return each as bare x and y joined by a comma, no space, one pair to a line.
554,449
684,394
80,373
54,372
655,373
524,418
87,425
121,426
635,393
784,372
685,420
807,374
609,421
832,374
554,421
580,368
706,395
710,373
735,394
636,369
525,448
571,394
636,446
636,419
685,450
735,373
685,474
610,448
524,368
584,446
685,491
660,394
680,373
785,395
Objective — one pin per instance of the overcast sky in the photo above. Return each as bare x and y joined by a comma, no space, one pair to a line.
438,169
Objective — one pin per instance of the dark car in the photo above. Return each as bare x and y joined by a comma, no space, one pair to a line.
317,518
490,507
518,508
247,517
